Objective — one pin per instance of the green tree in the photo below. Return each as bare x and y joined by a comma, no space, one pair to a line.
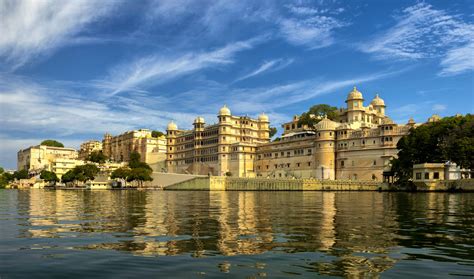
86,172
49,176
5,178
273,131
316,114
97,157
21,174
157,134
121,173
135,162
53,143
450,139
140,175
1,170
69,176
81,173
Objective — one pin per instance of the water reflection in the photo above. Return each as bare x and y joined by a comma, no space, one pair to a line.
330,233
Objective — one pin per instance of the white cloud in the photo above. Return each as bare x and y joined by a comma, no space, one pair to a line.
424,32
156,69
272,65
313,32
458,60
32,28
439,107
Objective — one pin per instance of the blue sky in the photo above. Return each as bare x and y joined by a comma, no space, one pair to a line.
73,70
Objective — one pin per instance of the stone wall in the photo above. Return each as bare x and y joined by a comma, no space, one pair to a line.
219,183
446,185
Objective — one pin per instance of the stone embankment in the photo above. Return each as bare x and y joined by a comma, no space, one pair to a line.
215,183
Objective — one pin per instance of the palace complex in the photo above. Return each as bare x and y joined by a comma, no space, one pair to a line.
225,148
88,147
152,150
358,146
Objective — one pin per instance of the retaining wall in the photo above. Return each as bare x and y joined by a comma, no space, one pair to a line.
219,183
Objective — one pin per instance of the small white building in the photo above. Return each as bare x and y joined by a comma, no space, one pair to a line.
428,172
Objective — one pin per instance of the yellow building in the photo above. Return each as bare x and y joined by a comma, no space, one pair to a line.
62,165
88,147
225,148
39,157
358,147
152,150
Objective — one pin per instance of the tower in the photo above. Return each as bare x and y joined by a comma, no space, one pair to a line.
355,106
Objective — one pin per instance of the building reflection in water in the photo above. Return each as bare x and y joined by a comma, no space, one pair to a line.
354,231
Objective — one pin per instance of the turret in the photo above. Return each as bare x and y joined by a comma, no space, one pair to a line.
378,104
355,105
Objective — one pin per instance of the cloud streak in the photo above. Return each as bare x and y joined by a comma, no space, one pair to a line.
424,32
268,66
156,69
32,28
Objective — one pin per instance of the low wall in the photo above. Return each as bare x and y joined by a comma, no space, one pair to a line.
446,185
163,179
218,183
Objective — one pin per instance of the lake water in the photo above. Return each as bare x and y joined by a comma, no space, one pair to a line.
164,234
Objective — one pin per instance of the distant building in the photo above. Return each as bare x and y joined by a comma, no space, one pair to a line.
152,150
358,146
429,172
39,157
88,147
225,148
62,165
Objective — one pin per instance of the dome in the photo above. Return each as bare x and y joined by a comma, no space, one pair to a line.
326,124
199,119
387,121
263,117
355,95
434,118
172,126
377,101
224,110
411,121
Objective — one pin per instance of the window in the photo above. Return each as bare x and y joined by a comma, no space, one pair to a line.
309,164
436,175
375,162
418,175
342,164
427,175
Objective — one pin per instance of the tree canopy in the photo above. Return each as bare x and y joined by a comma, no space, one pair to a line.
49,176
5,178
136,171
316,113
450,139
1,170
157,134
273,131
81,173
97,157
53,143
21,174
135,162
121,173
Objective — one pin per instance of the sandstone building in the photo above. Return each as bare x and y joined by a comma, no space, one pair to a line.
358,146
39,157
152,150
225,148
88,147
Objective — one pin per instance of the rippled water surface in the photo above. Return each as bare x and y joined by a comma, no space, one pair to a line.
235,234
